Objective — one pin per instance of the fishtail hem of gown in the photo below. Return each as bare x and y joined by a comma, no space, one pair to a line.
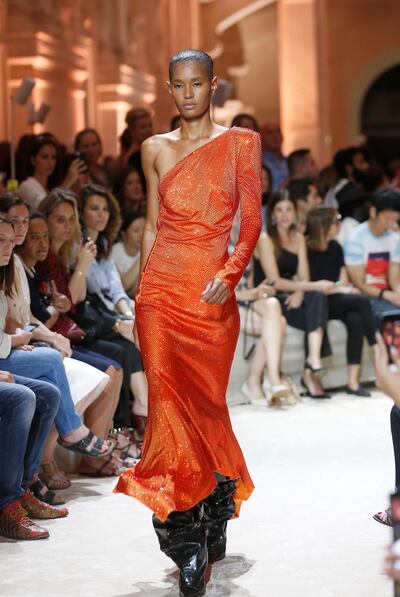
162,503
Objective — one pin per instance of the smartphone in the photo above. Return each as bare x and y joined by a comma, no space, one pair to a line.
79,155
390,330
30,327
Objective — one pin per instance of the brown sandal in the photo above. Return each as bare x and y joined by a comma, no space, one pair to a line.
53,477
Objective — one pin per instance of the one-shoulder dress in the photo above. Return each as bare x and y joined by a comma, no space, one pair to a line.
188,346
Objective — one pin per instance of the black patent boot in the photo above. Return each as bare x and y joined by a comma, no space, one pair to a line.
183,538
219,507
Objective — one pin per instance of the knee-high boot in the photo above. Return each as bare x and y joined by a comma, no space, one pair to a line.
183,538
219,507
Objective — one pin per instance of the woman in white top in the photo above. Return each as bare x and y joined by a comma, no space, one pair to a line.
126,254
43,171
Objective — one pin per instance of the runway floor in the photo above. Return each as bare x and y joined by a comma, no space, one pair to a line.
321,471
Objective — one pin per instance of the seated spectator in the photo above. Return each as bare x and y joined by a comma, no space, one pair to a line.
372,254
345,302
327,178
354,210
266,189
140,125
304,192
59,207
350,164
50,311
89,143
40,363
126,253
246,121
301,164
27,411
281,256
42,171
130,193
273,157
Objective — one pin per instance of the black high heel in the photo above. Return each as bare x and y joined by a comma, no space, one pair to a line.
323,396
315,370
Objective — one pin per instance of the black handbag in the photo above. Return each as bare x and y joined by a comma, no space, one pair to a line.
95,318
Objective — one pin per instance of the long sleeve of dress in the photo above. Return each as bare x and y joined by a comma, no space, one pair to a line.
248,178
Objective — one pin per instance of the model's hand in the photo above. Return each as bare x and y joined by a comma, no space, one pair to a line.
6,377
294,300
216,292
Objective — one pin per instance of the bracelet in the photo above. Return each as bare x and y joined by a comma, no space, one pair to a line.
78,272
116,325
380,295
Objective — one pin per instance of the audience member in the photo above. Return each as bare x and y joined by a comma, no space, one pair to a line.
111,339
41,363
345,302
282,257
126,253
140,125
130,193
301,164
43,170
266,189
246,121
273,157
89,143
372,254
99,414
304,192
350,164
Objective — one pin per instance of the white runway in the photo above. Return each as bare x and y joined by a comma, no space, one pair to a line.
321,470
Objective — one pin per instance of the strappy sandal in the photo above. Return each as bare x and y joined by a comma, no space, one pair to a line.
82,447
53,478
124,441
43,493
323,396
384,517
315,370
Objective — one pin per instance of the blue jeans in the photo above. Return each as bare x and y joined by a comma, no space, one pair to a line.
379,308
46,364
27,411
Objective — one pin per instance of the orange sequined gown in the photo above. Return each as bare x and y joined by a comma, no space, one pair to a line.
188,346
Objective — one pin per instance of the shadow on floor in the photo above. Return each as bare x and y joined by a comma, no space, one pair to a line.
221,583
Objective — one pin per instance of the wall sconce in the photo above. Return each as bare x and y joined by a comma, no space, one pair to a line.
37,116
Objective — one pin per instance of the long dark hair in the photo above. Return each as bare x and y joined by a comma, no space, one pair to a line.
35,145
272,228
105,239
7,271
319,220
9,200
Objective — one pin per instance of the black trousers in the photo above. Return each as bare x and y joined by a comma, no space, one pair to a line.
356,313
312,314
